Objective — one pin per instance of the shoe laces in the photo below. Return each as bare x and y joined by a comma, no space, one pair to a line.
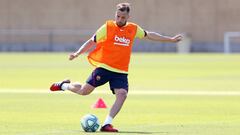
57,84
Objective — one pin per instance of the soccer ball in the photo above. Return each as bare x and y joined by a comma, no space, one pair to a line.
90,123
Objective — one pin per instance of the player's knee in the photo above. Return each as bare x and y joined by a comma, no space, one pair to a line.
121,93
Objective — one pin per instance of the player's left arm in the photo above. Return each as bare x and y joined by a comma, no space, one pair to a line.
143,34
158,37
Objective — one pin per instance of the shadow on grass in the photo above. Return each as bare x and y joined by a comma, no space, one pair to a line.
138,132
127,132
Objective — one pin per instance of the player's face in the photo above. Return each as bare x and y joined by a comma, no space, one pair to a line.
121,18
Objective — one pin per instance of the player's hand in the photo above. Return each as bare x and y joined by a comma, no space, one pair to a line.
177,38
73,56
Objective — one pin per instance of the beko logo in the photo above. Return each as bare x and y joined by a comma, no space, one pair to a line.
121,41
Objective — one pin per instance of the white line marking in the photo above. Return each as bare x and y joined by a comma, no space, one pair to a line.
139,92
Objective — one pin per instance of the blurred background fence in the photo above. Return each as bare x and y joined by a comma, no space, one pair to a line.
42,40
62,40
63,25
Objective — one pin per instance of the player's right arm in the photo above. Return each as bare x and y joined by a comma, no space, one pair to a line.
86,46
97,37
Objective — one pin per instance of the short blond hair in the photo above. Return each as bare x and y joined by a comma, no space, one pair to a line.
123,7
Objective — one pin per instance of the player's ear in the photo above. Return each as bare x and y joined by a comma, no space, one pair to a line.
128,17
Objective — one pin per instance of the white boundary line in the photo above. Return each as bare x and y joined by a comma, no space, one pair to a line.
139,92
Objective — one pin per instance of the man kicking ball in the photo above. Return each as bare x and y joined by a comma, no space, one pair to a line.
113,42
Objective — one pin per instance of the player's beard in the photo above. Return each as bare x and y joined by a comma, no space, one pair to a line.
121,24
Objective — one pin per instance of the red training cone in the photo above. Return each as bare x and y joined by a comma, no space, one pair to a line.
100,104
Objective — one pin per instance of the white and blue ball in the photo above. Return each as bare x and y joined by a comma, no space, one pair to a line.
90,123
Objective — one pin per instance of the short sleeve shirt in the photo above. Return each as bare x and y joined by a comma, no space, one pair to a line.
102,33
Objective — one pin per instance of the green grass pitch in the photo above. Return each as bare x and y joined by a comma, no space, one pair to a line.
169,94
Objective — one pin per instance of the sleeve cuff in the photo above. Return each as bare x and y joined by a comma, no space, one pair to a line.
94,38
145,33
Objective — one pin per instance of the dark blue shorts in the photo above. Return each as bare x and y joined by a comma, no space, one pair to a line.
101,76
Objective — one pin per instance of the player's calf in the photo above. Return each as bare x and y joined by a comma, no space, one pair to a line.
86,89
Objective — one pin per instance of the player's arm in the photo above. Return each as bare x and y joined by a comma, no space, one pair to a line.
142,34
86,46
158,37
97,37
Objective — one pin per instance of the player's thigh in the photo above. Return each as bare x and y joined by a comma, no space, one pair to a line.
98,77
119,82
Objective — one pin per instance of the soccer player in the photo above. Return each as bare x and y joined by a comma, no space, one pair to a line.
113,42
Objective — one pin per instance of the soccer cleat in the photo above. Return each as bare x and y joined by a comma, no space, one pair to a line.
58,85
108,128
